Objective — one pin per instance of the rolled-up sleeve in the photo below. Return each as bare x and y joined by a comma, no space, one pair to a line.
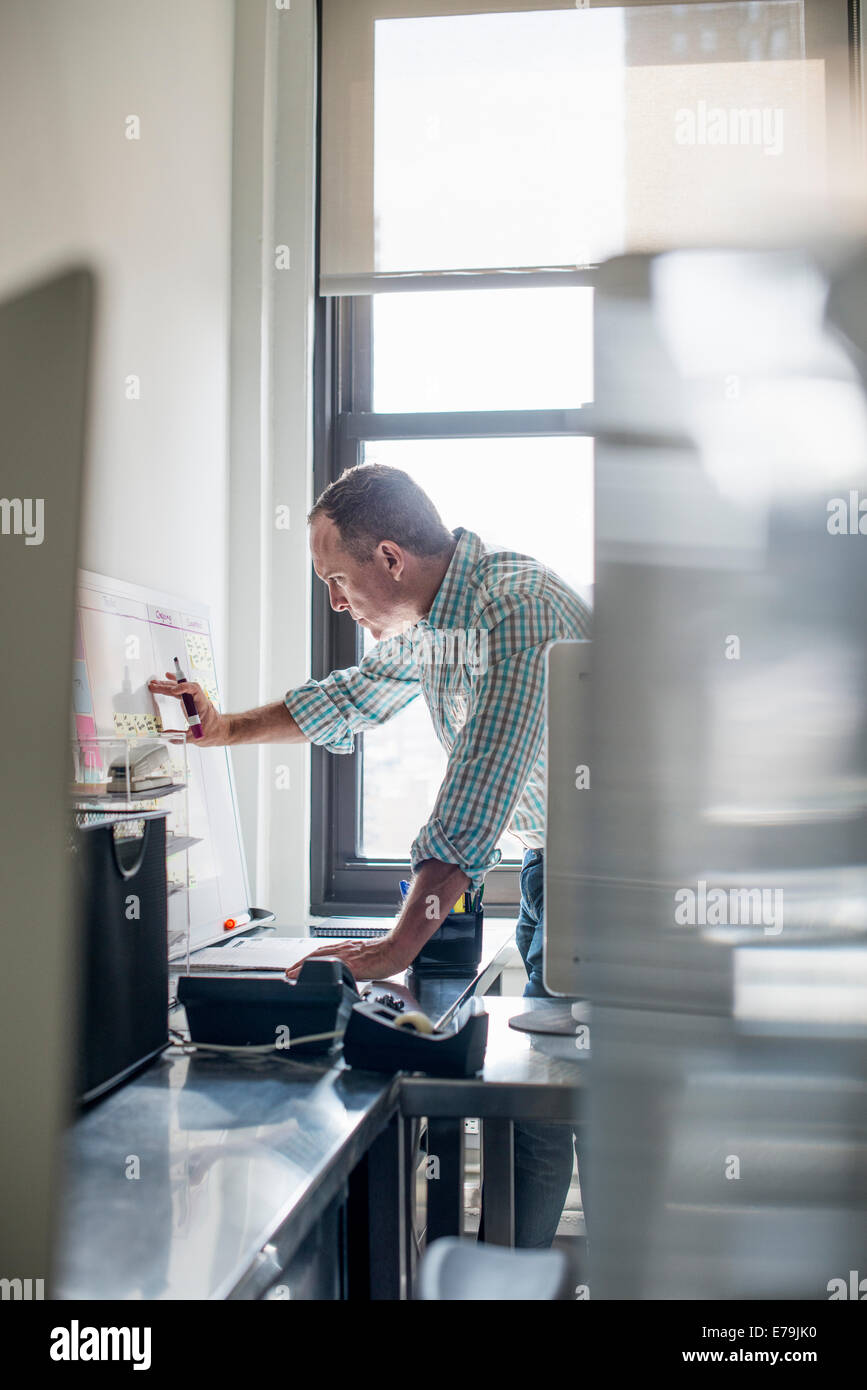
332,711
496,750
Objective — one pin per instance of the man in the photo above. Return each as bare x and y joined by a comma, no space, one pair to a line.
467,627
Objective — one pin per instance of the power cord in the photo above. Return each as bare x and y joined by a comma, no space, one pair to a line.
254,1050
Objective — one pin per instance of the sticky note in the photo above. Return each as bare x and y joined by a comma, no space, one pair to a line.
138,724
199,655
85,728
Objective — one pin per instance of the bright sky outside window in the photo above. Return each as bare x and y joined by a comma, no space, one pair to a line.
527,349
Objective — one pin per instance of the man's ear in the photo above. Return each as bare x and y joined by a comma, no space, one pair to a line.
393,557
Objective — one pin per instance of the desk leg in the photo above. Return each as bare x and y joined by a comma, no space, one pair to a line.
376,1219
498,1181
445,1190
411,1158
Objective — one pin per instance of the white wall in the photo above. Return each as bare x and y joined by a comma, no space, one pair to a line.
181,226
153,218
271,430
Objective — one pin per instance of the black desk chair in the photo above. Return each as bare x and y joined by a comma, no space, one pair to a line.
464,1270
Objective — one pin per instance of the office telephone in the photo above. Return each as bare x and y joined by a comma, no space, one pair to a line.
242,1010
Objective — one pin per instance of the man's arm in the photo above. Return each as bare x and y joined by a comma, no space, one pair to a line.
269,724
330,711
434,890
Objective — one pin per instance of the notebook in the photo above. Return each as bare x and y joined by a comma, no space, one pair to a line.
256,953
353,928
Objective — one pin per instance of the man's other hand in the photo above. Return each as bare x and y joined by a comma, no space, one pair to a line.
368,960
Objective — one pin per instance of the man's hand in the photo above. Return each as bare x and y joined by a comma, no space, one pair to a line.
269,724
434,891
368,960
215,727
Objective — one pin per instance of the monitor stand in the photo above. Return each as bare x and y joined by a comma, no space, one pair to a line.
554,1016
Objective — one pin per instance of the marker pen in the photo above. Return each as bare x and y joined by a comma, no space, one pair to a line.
189,703
240,921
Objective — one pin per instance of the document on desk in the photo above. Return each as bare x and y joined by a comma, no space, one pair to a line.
271,953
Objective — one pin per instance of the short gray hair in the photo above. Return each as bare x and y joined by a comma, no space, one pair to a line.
373,502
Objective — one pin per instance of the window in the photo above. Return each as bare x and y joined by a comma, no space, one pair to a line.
482,350
474,170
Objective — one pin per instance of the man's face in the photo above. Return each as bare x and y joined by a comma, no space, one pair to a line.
368,592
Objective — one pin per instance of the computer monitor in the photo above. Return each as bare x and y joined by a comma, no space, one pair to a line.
728,901
44,358
570,772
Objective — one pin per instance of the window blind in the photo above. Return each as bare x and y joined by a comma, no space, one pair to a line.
462,138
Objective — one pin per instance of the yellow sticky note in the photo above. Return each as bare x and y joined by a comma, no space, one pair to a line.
199,653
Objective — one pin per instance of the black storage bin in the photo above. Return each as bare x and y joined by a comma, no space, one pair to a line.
455,947
123,951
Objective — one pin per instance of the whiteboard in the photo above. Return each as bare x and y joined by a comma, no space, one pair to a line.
125,635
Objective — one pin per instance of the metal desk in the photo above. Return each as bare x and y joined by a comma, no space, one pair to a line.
526,1077
236,1162
206,1177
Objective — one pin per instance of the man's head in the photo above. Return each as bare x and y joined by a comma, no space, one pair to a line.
379,544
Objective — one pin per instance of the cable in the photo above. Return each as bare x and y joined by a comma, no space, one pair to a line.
252,1049
300,1065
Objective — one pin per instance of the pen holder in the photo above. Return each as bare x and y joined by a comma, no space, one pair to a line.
455,947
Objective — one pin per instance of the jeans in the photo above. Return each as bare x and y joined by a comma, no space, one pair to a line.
543,1153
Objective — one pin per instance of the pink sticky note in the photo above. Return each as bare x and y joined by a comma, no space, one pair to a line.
85,728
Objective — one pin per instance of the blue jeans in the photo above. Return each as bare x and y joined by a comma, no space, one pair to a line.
543,1153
